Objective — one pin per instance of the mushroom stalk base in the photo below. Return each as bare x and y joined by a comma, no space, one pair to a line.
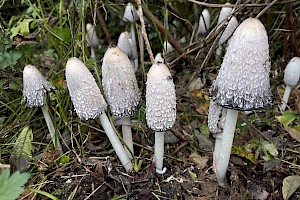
51,129
285,97
159,150
114,140
127,136
93,54
226,145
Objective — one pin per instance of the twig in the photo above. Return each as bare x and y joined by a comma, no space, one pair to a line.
232,5
180,147
148,47
265,9
103,25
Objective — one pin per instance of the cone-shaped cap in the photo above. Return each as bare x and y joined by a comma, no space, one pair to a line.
204,22
159,58
224,13
125,43
34,86
91,36
119,83
130,13
160,98
292,72
243,80
84,91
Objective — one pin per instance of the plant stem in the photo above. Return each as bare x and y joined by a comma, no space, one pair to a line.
127,135
226,144
132,32
159,150
114,140
285,97
51,129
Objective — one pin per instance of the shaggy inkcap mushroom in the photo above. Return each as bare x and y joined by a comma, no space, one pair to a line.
126,44
119,83
243,81
34,88
160,108
91,36
86,96
242,84
89,104
204,22
291,78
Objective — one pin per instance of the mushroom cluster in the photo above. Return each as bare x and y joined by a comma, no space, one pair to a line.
241,84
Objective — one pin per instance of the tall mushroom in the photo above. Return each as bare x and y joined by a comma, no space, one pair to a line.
242,83
89,104
92,39
160,108
121,89
34,88
130,15
291,78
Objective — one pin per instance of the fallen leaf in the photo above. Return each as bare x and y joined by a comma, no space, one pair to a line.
293,133
200,161
287,118
289,186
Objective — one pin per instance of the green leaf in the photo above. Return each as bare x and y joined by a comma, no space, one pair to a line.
63,33
289,186
22,28
64,159
193,176
23,143
287,118
12,186
268,149
242,152
9,58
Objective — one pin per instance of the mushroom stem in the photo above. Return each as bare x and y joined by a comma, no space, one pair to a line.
285,97
93,54
216,152
51,129
114,140
132,32
226,144
127,135
159,151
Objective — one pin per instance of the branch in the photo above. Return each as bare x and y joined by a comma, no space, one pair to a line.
103,25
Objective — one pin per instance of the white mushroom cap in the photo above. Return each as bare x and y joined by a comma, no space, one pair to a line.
84,91
224,13
292,72
125,43
243,80
119,83
167,46
159,58
130,13
34,86
91,37
204,22
232,24
160,98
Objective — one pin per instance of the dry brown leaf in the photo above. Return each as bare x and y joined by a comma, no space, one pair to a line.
200,161
293,133
289,186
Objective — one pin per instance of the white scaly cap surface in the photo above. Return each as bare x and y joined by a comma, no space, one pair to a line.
292,72
243,80
91,36
119,83
34,86
84,91
130,13
204,22
160,98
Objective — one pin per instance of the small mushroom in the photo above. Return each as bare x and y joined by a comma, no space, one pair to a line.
160,108
34,88
121,89
291,78
167,47
130,15
242,83
92,39
204,22
125,43
159,58
89,104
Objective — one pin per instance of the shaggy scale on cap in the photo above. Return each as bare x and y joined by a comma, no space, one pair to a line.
119,83
160,98
34,86
84,91
243,80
